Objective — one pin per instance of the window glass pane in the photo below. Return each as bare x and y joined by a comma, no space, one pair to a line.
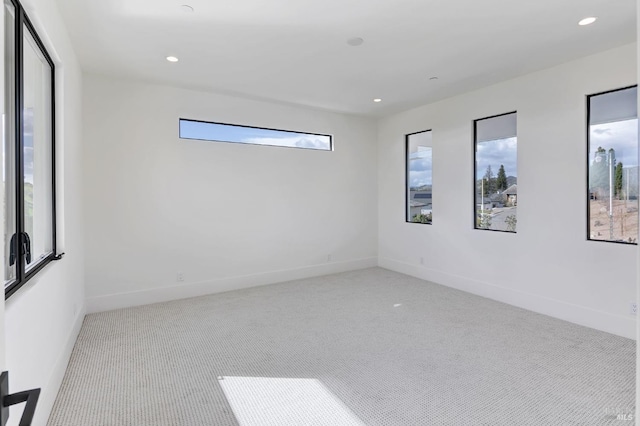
613,166
496,180
8,143
419,177
27,151
37,150
219,132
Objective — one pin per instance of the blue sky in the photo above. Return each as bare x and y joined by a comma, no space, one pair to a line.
420,167
622,136
496,153
420,158
239,134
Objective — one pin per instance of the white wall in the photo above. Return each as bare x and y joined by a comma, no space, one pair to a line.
548,266
225,215
638,251
43,317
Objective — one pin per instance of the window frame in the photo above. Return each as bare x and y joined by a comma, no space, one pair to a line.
23,22
588,152
407,208
475,167
180,119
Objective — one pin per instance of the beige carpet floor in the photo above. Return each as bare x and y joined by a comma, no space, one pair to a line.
368,347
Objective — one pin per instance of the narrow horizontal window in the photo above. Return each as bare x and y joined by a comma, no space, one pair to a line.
220,132
419,164
496,173
612,196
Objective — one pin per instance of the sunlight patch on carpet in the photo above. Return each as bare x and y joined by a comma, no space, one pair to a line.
274,401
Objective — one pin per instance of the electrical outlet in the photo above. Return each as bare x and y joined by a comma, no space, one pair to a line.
633,308
329,258
180,276
422,260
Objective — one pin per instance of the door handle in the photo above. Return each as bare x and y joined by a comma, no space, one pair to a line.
13,251
25,243
30,397
26,247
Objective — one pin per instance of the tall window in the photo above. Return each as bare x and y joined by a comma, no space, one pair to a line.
28,151
496,173
419,177
612,198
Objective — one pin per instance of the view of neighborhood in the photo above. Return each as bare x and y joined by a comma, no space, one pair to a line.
612,196
497,200
496,179
613,172
497,184
613,182
419,178
497,190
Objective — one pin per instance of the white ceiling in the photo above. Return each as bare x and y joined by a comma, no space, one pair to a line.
295,51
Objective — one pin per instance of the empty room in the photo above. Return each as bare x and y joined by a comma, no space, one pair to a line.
310,213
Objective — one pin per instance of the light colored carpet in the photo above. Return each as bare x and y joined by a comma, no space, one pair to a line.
443,357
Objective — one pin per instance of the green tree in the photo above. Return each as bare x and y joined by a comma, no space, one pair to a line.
422,218
599,171
489,181
618,180
483,220
501,180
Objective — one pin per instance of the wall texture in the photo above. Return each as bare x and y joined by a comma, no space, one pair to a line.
548,266
44,317
224,215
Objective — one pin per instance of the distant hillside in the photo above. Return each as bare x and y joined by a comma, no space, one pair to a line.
421,188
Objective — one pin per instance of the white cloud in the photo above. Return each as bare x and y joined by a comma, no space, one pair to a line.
622,136
496,153
298,141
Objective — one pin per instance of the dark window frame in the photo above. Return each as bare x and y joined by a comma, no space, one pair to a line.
475,171
22,275
406,178
588,193
331,147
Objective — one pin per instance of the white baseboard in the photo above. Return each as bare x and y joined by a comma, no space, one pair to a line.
50,390
615,324
165,294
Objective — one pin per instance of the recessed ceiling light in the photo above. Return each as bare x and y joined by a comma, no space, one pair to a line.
377,100
587,21
186,8
355,41
172,59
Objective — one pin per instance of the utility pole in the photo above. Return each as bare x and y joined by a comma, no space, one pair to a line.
482,196
612,160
